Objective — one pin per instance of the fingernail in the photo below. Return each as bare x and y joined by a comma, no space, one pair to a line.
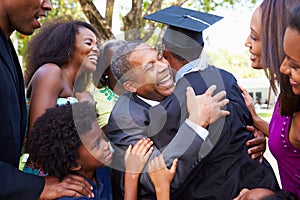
93,195
92,188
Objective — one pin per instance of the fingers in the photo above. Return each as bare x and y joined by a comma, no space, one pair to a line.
261,158
190,93
157,163
244,91
148,154
250,128
128,151
256,152
211,90
256,141
71,178
142,146
259,149
219,96
259,137
72,185
174,166
137,146
257,144
161,163
224,113
145,146
137,156
256,155
223,103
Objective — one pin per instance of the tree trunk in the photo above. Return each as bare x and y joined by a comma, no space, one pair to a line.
96,19
133,22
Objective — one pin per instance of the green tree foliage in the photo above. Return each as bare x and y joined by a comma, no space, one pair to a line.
210,5
86,10
62,9
237,64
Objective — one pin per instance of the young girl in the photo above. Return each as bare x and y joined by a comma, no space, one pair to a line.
68,140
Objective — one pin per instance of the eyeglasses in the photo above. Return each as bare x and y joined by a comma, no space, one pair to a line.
161,51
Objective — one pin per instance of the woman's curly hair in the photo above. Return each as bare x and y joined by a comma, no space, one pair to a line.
55,138
54,43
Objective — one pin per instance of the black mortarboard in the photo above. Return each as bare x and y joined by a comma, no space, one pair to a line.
185,26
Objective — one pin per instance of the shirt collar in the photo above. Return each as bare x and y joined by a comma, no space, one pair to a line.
195,65
148,101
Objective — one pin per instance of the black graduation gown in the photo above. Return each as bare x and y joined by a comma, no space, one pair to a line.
225,167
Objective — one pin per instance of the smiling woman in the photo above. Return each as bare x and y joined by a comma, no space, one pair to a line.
280,45
59,60
60,54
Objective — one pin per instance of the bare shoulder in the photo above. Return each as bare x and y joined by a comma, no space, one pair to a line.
48,75
48,69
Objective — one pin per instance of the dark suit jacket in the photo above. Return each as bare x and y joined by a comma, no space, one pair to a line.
225,167
13,117
129,121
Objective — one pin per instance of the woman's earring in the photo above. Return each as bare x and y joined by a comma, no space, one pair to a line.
104,79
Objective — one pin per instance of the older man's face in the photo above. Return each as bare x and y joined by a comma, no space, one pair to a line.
152,75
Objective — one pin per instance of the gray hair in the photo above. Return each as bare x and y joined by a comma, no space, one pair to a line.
120,61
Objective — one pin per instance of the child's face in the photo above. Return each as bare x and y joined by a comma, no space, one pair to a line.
256,193
94,151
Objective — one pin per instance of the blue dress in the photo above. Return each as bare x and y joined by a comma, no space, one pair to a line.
102,190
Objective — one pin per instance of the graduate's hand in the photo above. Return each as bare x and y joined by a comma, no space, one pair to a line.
137,156
206,109
257,145
159,174
72,186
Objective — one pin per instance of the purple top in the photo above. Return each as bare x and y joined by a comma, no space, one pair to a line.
287,156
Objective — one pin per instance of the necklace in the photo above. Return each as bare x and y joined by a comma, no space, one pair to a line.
284,138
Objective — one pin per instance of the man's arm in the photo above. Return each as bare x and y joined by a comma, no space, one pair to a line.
18,185
185,146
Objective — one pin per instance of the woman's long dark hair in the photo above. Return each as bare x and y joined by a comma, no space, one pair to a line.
289,102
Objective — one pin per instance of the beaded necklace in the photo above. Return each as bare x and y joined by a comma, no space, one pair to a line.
285,138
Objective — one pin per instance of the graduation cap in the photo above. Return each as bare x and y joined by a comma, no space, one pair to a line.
185,25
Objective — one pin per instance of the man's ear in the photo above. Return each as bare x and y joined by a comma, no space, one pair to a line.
165,53
76,168
130,86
